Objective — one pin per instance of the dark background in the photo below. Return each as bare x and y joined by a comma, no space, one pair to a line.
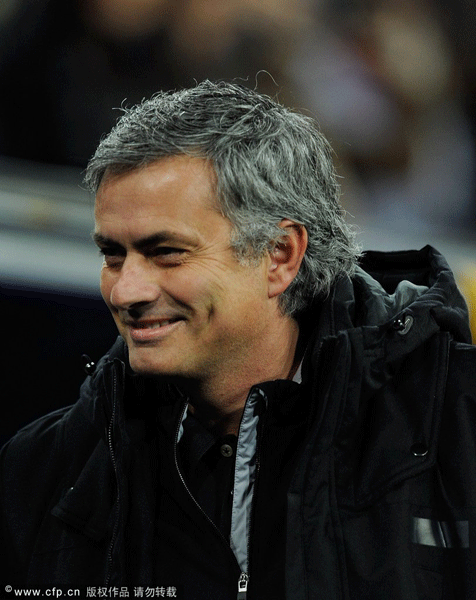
46,336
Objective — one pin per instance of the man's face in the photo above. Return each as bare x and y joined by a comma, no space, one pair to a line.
182,302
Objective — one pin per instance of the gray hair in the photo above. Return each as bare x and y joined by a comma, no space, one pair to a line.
270,162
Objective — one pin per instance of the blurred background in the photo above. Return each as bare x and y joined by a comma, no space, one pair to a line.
391,83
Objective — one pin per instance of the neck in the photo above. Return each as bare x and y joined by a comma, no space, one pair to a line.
218,401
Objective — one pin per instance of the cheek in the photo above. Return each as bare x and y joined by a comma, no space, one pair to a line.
240,302
196,288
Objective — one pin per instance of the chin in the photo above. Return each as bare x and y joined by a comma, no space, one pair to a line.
145,368
149,368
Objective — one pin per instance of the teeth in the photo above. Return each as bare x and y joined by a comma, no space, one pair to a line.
157,324
162,323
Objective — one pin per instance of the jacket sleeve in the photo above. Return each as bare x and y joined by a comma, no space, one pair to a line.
457,440
27,483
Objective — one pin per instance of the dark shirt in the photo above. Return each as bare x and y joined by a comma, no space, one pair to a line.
207,464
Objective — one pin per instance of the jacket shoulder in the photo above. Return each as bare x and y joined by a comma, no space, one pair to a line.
41,447
34,442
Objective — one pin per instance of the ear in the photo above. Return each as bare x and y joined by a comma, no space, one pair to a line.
286,257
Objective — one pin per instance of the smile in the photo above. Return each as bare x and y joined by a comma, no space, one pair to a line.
149,331
154,324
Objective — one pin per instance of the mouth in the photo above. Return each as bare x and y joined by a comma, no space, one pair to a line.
152,324
152,329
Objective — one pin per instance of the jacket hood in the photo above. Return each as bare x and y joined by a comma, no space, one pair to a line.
389,285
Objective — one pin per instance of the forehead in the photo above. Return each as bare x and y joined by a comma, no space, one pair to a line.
175,192
192,176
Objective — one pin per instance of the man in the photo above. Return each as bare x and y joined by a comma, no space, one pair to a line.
280,418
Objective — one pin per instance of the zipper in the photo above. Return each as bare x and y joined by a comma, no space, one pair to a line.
114,465
242,586
244,577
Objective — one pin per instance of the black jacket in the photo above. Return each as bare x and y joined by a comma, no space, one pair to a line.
381,496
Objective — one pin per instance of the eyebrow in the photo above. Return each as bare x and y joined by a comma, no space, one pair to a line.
147,242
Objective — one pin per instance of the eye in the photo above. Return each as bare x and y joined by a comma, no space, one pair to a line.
168,254
161,250
112,257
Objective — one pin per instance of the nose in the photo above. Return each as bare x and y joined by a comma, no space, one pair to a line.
134,285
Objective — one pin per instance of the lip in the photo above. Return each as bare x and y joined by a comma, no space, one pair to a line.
152,329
